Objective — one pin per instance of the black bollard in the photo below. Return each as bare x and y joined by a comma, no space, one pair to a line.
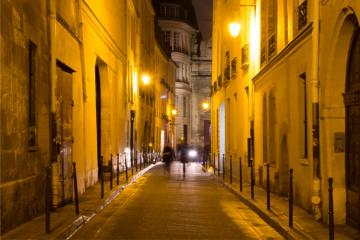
111,171
240,174
223,158
213,161
268,186
230,169
76,190
126,170
252,184
136,161
218,165
102,176
117,170
331,210
47,199
291,200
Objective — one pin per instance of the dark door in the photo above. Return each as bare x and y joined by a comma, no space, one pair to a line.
98,116
352,104
185,134
64,131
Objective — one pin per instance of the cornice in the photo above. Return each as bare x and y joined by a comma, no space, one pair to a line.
294,43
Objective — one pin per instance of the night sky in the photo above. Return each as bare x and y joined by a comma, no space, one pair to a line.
203,10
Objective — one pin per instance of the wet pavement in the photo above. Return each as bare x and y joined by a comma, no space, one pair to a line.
162,205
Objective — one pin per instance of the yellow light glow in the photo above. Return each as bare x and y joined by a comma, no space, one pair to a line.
150,144
173,112
205,106
234,29
135,82
145,79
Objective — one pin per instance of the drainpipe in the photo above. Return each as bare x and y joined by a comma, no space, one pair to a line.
52,7
316,191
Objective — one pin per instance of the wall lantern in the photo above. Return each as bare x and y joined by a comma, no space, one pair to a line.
205,106
145,79
234,28
173,112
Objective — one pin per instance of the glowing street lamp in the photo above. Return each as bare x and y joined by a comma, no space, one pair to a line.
234,28
145,79
173,112
205,106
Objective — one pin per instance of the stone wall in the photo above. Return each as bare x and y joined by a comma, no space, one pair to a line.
24,146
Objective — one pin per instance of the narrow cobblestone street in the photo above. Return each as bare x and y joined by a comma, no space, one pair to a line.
162,206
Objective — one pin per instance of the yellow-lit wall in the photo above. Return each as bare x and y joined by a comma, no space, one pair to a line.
279,80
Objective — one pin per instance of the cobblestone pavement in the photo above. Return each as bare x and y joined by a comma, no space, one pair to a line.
162,205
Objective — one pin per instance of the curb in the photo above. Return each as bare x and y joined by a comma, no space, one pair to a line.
75,226
281,228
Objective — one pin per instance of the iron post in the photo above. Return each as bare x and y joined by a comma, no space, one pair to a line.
291,200
268,186
117,170
240,174
111,171
47,199
76,190
331,210
102,176
231,163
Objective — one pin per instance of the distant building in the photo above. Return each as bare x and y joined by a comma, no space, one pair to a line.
178,24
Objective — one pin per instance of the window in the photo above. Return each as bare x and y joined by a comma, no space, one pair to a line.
176,41
265,131
184,106
268,29
167,36
302,10
272,128
32,94
303,115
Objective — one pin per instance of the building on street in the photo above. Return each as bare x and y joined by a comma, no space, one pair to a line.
81,81
285,84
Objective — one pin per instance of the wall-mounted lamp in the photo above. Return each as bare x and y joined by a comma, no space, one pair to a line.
234,28
173,112
145,79
205,106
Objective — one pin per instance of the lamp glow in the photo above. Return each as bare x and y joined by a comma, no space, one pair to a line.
205,106
173,112
234,29
145,79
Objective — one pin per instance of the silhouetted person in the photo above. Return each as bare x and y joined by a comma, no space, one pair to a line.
168,157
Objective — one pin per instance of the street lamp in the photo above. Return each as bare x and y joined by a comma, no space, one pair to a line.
234,28
205,106
145,79
173,112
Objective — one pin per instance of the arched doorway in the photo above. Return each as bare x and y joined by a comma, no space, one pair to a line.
352,104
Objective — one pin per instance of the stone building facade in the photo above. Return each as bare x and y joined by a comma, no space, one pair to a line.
177,21
72,91
25,107
289,88
200,102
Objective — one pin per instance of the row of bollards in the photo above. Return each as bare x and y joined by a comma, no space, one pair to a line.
268,202
110,168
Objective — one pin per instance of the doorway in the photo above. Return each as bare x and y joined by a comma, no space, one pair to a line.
221,134
64,135
98,116
352,105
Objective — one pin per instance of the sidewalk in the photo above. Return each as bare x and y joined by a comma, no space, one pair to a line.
305,227
63,221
